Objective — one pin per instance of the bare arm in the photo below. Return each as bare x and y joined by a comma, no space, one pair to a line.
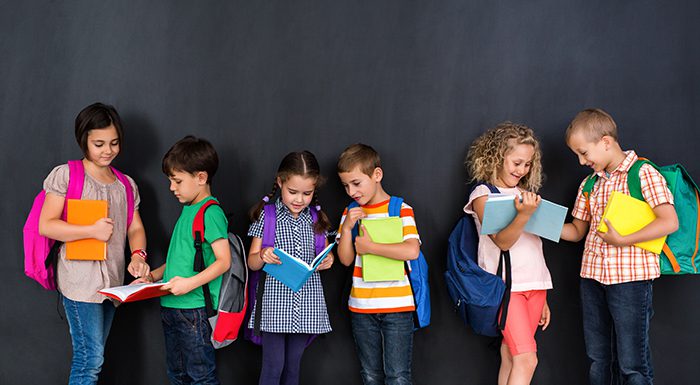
255,255
137,240
575,230
346,248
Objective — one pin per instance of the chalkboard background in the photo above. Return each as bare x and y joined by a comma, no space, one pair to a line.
418,80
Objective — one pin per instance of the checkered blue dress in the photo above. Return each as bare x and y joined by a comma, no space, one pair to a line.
285,311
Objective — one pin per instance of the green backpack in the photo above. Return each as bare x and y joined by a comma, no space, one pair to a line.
681,247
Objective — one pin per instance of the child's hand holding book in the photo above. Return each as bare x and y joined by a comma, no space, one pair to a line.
268,256
528,203
363,241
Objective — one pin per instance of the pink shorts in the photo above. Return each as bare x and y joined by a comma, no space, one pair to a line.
524,313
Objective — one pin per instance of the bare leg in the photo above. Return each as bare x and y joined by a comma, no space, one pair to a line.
523,368
506,365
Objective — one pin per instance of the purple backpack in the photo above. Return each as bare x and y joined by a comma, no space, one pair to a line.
40,252
256,279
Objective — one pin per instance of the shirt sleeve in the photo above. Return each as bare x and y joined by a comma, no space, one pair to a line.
57,180
654,187
479,191
340,226
215,224
580,210
256,228
408,219
137,196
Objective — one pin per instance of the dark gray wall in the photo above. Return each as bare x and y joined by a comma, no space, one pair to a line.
416,79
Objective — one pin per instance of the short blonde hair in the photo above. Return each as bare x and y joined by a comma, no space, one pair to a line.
488,151
359,155
594,123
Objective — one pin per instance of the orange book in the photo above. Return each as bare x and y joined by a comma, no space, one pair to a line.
86,212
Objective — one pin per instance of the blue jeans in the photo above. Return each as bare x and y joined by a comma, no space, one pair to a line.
89,326
384,344
189,354
616,322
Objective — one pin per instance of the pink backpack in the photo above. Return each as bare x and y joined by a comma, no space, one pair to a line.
40,252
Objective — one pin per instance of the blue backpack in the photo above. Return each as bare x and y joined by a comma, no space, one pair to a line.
477,294
417,271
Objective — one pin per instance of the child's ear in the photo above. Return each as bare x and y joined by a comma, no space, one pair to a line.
607,141
202,177
377,174
279,182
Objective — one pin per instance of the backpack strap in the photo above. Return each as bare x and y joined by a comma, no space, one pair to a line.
588,189
505,260
129,196
269,225
395,206
198,235
76,180
355,229
633,181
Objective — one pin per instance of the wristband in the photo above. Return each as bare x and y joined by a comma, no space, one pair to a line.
141,252
150,276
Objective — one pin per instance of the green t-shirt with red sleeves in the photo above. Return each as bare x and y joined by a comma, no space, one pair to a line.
180,259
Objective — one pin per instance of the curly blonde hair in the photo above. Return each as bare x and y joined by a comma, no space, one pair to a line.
488,151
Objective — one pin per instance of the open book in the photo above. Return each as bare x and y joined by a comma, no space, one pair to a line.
294,272
135,292
547,221
628,215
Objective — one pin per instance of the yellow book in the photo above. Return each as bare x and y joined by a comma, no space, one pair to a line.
629,215
86,212
376,267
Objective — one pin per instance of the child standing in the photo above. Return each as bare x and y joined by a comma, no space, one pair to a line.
190,165
508,157
382,312
99,134
288,318
616,276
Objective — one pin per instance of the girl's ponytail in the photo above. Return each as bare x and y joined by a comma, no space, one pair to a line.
323,223
254,212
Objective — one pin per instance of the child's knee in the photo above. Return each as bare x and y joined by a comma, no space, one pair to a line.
506,356
526,361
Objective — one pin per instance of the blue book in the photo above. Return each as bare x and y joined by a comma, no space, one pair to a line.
294,272
547,221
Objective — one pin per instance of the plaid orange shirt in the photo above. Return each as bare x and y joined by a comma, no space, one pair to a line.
609,264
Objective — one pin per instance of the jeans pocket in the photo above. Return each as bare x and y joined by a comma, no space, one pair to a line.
190,317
